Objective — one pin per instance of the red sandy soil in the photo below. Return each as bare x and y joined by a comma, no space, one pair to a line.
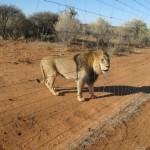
32,118
132,136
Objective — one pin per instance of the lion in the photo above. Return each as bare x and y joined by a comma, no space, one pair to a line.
84,68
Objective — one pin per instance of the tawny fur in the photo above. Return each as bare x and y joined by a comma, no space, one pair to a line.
84,68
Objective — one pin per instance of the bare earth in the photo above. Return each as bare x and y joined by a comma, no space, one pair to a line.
132,136
32,118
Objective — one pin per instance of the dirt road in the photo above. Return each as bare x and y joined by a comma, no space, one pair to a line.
32,118
135,135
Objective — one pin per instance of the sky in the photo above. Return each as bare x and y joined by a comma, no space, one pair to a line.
116,12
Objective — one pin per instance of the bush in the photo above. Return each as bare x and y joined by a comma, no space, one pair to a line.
101,31
136,33
122,50
43,24
11,18
16,26
143,40
67,27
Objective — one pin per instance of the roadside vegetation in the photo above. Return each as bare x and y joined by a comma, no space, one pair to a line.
65,28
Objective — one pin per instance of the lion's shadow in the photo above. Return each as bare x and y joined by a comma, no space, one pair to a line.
117,90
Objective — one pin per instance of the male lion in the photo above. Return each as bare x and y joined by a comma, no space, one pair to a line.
84,68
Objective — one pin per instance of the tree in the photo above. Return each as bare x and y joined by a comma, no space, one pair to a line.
137,27
67,26
136,31
6,13
44,24
16,26
29,30
101,31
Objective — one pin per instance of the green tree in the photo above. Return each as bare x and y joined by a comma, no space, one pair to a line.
6,14
16,26
136,32
137,27
44,24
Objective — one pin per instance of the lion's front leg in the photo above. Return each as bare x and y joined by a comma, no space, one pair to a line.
80,85
91,91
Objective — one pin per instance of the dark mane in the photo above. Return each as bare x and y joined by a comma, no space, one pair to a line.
91,76
82,61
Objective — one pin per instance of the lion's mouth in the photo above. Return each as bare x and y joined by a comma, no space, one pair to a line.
105,71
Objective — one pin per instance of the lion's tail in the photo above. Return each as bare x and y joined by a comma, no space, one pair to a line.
43,73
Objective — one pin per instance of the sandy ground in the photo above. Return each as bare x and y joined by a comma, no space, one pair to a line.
132,136
32,118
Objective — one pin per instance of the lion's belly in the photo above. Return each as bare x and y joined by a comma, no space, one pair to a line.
67,68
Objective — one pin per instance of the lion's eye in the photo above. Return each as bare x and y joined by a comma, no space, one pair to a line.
102,59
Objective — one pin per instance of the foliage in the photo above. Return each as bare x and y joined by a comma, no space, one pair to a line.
67,26
122,50
136,33
9,16
43,22
16,26
101,31
137,27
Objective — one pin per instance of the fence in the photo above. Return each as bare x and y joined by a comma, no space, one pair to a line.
36,119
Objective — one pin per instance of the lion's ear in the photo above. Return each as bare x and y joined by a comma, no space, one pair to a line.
97,53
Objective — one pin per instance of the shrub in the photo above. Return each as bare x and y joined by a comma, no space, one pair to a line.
136,33
101,31
67,27
10,19
143,40
16,26
43,22
122,50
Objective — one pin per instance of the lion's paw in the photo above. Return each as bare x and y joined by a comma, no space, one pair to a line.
57,94
93,96
82,99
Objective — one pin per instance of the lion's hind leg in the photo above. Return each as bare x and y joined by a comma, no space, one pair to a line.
49,82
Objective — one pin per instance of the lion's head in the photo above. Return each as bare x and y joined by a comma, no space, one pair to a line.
101,62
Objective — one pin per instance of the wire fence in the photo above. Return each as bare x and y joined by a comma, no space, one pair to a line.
37,119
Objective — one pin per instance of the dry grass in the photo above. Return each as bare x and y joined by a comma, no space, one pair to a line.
122,50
